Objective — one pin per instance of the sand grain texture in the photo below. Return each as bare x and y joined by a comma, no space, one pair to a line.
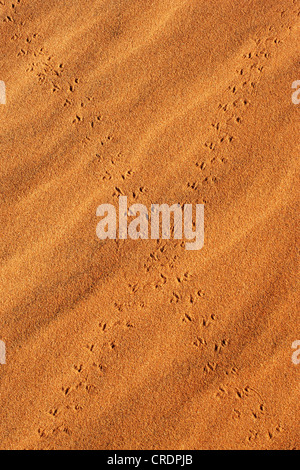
142,344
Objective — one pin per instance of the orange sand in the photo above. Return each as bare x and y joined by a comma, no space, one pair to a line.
142,344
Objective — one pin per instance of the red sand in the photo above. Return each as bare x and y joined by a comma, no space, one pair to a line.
142,344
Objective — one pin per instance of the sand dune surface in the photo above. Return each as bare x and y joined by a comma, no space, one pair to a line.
141,344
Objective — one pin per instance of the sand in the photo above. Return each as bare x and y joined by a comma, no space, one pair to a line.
140,344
